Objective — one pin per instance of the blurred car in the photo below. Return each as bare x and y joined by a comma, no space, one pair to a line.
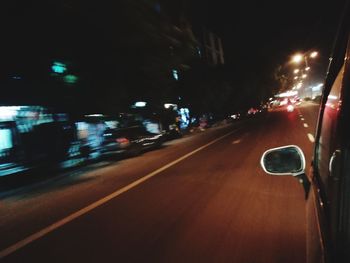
290,106
297,101
129,141
235,116
173,132
252,111
327,185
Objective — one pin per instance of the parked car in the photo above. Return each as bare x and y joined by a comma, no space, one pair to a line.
235,116
252,111
327,185
129,141
297,100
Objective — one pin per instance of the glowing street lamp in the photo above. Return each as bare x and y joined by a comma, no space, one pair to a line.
297,58
304,76
313,54
296,77
296,71
307,68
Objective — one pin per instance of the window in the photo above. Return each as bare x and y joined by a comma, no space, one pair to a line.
328,135
5,139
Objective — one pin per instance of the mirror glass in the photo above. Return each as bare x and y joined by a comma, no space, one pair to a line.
286,160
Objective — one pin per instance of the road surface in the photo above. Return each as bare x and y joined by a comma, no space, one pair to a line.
202,198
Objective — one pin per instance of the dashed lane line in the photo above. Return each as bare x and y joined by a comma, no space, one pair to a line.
236,141
311,137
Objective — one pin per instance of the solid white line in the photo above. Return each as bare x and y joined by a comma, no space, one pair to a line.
311,137
305,125
20,244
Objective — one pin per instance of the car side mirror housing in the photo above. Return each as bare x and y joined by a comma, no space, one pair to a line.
286,160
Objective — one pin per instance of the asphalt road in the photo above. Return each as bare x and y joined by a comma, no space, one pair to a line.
202,198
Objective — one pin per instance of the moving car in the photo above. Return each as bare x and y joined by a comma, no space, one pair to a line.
296,100
290,106
327,185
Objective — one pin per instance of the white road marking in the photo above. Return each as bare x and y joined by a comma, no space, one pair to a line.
22,243
240,139
300,115
302,119
311,137
305,125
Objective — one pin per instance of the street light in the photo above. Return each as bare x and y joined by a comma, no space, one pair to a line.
313,54
302,60
297,58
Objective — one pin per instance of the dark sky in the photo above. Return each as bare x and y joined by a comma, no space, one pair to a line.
257,35
260,35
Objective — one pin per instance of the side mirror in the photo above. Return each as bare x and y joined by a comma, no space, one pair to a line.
286,160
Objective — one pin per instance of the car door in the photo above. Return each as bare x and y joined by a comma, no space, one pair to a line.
340,170
145,138
326,205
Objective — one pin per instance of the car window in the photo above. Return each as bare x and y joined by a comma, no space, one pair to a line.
327,140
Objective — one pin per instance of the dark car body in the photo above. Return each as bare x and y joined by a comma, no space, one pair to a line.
129,140
327,185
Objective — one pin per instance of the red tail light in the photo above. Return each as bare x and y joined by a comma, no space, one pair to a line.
122,140
290,108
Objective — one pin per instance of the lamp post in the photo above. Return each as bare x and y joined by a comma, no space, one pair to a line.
298,58
300,73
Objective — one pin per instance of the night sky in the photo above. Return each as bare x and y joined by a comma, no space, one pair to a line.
260,35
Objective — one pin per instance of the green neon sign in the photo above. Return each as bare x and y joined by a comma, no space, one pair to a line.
59,67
